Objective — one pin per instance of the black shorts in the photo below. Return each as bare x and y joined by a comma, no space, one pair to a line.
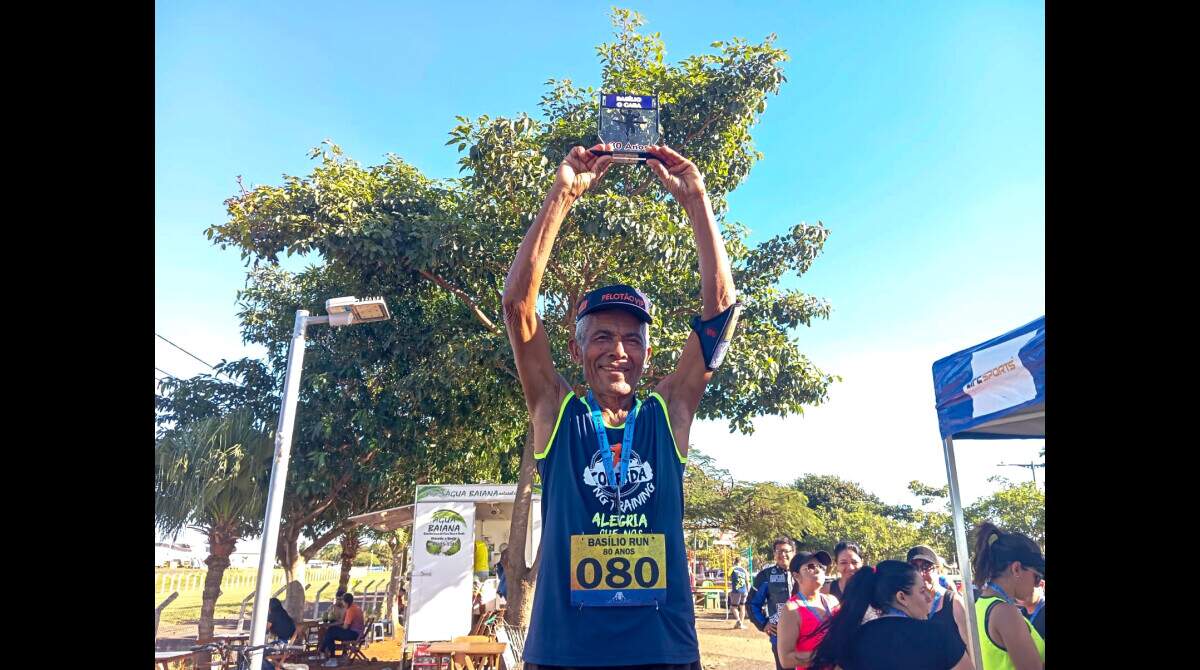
694,665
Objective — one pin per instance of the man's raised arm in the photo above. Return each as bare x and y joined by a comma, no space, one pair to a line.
683,388
541,383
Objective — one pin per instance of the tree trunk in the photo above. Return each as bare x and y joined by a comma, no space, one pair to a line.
397,554
295,589
521,578
221,542
288,554
350,544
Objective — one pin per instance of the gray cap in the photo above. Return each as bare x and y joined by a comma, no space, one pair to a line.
925,553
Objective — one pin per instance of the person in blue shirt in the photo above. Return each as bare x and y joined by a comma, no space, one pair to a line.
770,591
502,586
612,589
739,587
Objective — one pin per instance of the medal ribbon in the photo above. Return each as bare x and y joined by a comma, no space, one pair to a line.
995,587
606,450
1040,605
816,612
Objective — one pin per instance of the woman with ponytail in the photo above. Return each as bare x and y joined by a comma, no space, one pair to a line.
1008,566
900,639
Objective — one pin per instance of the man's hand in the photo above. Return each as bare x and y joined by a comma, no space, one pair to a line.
580,169
771,629
679,175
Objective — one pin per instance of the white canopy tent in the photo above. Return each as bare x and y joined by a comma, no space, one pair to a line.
992,391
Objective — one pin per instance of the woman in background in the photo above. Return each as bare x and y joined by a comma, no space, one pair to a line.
848,558
1008,567
899,639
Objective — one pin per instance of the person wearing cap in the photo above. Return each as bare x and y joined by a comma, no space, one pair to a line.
803,614
613,588
945,609
1008,567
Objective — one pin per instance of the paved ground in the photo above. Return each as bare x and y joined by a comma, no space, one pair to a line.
721,647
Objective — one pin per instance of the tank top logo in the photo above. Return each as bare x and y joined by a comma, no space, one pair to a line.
634,493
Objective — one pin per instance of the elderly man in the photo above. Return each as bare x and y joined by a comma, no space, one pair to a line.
613,586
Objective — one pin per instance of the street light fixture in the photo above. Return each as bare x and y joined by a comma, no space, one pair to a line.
343,311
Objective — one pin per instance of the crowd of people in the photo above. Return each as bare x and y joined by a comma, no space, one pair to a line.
898,614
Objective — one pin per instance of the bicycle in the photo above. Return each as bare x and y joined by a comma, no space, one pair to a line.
277,648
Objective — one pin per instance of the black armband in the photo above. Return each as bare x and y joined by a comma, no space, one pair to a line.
715,334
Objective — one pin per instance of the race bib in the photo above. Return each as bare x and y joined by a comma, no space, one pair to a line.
618,570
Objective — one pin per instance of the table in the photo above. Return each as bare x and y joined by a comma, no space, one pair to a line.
321,627
232,638
306,632
166,658
461,653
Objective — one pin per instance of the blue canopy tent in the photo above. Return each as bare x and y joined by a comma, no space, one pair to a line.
992,391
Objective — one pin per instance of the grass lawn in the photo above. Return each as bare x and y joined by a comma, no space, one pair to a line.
239,583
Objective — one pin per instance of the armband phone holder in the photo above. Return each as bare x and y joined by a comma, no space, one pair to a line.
715,334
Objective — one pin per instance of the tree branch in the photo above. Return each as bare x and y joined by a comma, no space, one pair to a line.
324,505
461,296
319,543
649,180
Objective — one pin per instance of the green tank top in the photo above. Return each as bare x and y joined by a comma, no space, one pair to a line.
995,657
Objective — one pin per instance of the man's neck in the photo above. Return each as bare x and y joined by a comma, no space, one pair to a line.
613,407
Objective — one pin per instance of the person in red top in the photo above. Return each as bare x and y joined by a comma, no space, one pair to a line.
352,626
804,612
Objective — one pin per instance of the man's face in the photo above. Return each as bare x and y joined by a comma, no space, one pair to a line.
783,554
927,571
613,352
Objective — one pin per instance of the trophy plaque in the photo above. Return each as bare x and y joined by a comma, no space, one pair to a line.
629,123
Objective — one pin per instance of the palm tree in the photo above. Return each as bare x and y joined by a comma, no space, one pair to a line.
211,475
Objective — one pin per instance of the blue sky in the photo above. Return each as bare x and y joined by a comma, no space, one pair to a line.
914,130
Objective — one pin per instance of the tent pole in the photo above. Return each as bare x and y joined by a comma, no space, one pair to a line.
960,543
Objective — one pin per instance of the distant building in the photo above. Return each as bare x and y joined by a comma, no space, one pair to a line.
176,555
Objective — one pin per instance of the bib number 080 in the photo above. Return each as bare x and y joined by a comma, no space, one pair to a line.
617,573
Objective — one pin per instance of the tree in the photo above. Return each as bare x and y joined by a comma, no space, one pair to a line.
439,250
331,446
833,492
880,537
707,489
331,553
1019,508
762,511
1014,507
210,475
829,492
350,548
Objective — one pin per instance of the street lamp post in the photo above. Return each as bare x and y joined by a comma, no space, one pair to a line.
1031,467
342,312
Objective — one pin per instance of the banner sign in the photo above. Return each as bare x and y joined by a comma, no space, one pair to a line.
443,554
993,380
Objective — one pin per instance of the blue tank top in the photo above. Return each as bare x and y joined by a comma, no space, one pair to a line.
578,501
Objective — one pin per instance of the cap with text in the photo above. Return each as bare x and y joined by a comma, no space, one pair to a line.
615,296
